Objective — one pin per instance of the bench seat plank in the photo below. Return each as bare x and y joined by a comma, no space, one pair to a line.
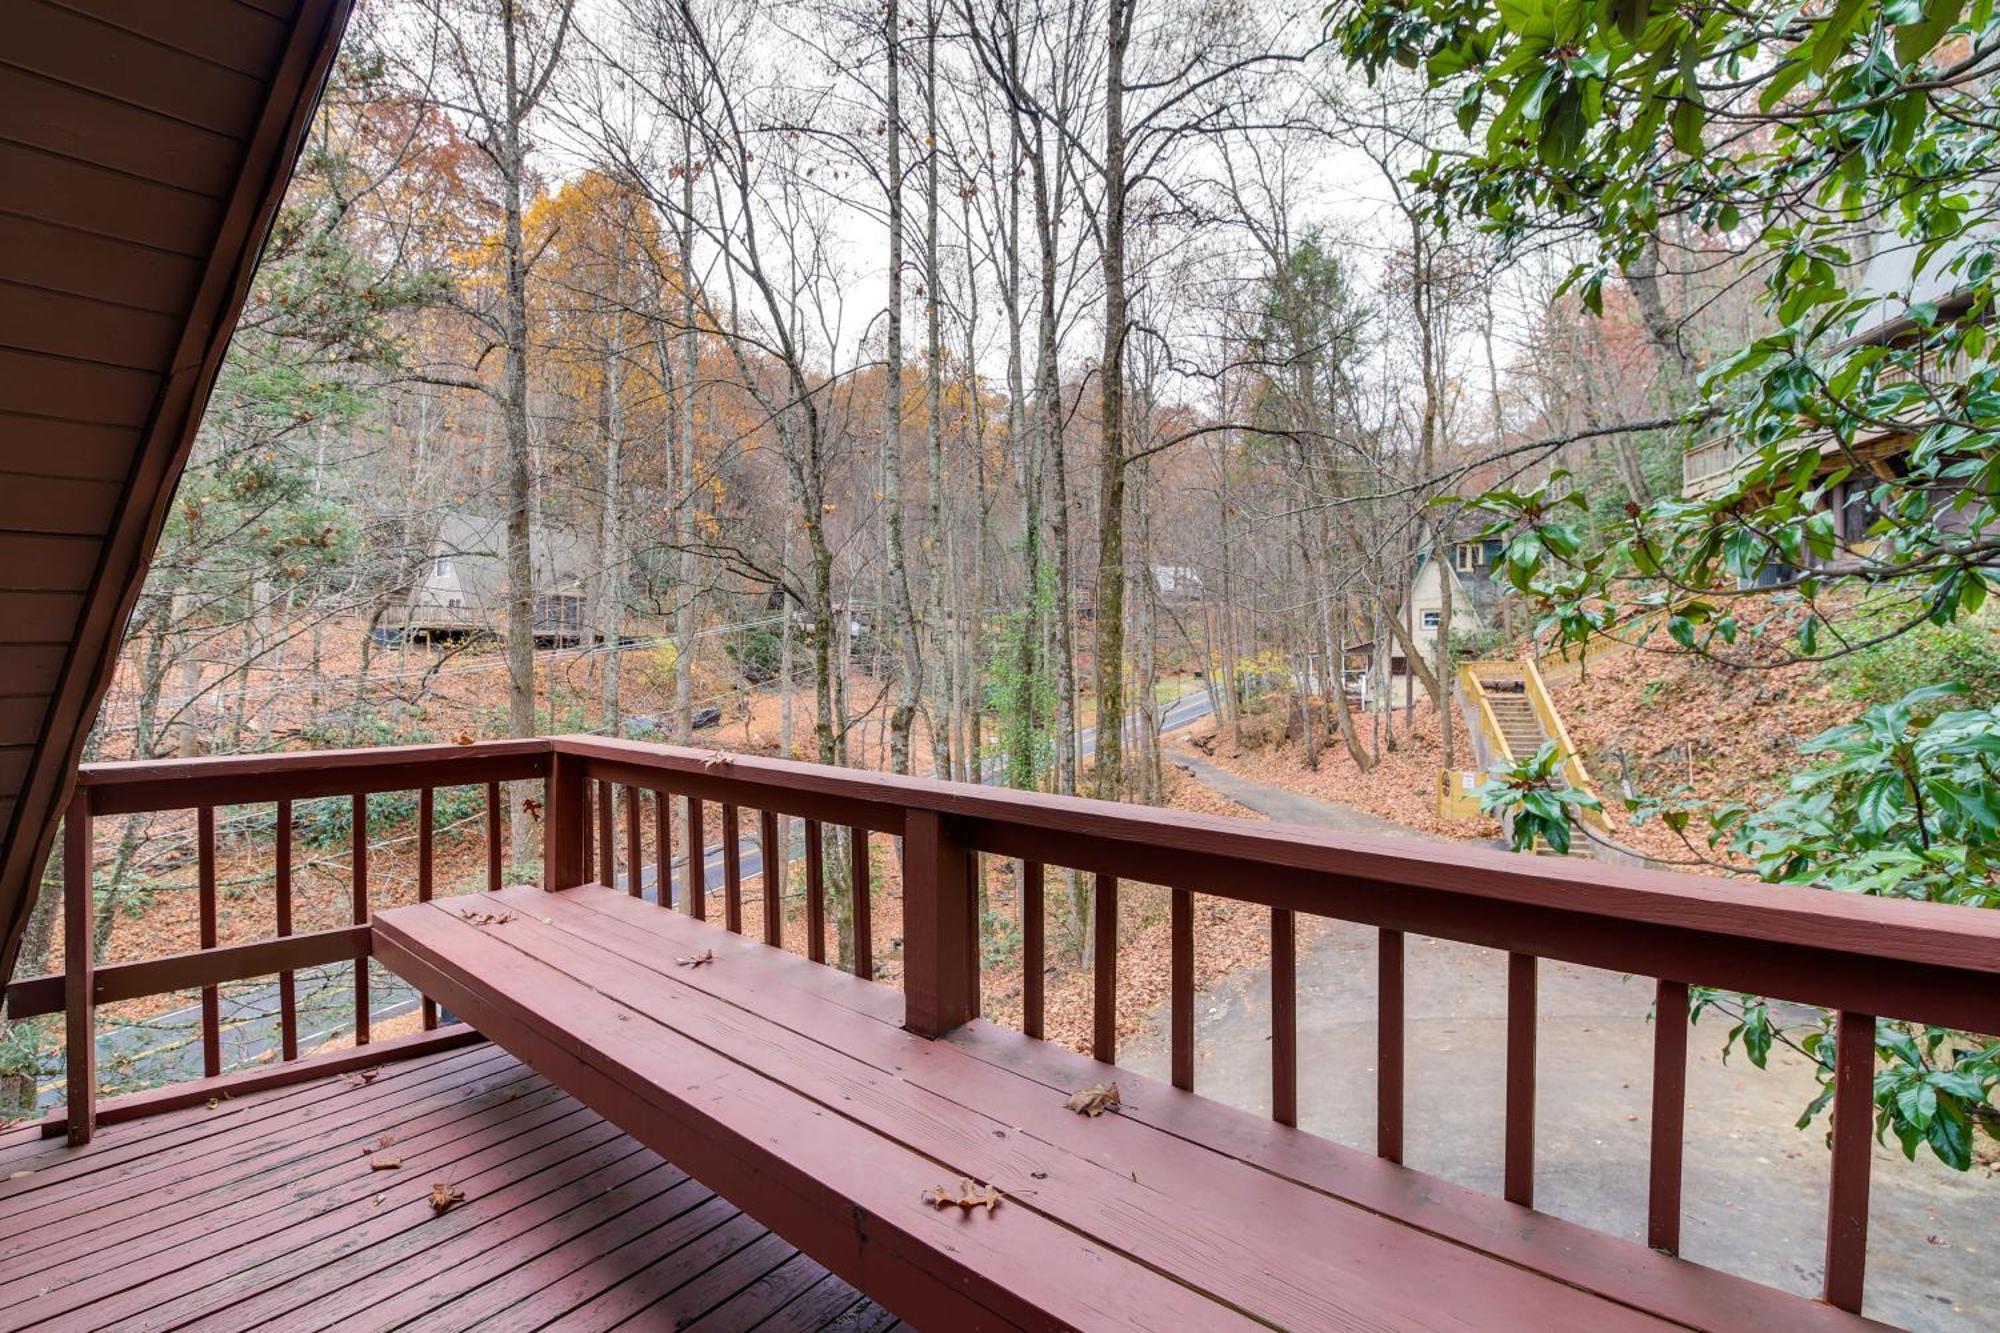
1293,1256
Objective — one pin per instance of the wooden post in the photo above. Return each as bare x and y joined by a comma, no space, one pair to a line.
79,1002
937,912
563,823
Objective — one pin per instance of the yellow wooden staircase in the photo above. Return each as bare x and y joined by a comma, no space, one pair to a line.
1510,715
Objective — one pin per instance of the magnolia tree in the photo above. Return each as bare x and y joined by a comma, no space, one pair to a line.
1802,140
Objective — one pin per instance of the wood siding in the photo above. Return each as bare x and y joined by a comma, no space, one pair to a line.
143,151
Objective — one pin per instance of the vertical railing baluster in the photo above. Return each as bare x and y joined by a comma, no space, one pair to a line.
1389,1045
361,916
663,848
427,866
211,997
1284,1017
1034,921
607,844
1180,987
587,792
1847,1194
494,872
696,873
79,984
288,990
1663,1192
1520,1165
771,849
974,955
863,909
635,861
732,872
815,892
1104,970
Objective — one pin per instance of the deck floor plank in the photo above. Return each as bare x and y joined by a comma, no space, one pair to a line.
294,1239
142,1212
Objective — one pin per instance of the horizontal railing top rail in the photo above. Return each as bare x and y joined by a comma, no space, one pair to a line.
145,786
1789,942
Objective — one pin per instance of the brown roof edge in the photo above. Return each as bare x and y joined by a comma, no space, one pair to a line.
271,151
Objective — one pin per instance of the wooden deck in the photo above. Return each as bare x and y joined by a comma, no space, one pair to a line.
263,1212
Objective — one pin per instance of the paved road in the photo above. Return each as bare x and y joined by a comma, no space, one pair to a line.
166,1048
1755,1186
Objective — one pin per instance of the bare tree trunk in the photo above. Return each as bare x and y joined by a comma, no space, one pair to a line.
909,685
1110,604
611,528
934,538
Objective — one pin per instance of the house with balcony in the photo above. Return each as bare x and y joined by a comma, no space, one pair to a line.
655,1087
1890,287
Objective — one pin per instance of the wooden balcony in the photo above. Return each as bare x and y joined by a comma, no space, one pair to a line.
824,1104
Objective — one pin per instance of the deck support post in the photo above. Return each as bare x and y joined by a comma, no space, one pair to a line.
565,822
937,914
79,1000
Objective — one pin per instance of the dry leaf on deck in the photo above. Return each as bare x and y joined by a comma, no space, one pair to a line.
485,918
1094,1100
384,1163
462,738
443,1196
696,960
717,759
967,1197
364,1077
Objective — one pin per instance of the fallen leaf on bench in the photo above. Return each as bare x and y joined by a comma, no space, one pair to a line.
444,1196
717,759
696,960
485,918
384,1163
364,1077
967,1197
1094,1100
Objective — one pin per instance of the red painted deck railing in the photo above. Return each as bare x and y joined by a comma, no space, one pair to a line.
1860,957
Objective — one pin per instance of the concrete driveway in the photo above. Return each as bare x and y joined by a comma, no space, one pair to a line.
1755,1190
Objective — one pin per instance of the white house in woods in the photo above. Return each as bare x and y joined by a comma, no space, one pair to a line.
1177,583
1475,597
461,590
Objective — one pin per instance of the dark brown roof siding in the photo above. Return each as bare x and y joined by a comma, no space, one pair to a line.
144,148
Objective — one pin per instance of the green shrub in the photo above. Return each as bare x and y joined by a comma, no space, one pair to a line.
1964,653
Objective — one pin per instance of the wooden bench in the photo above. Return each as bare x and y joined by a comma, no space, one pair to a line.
792,1089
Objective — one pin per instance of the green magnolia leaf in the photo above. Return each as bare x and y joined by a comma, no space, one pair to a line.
1915,40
